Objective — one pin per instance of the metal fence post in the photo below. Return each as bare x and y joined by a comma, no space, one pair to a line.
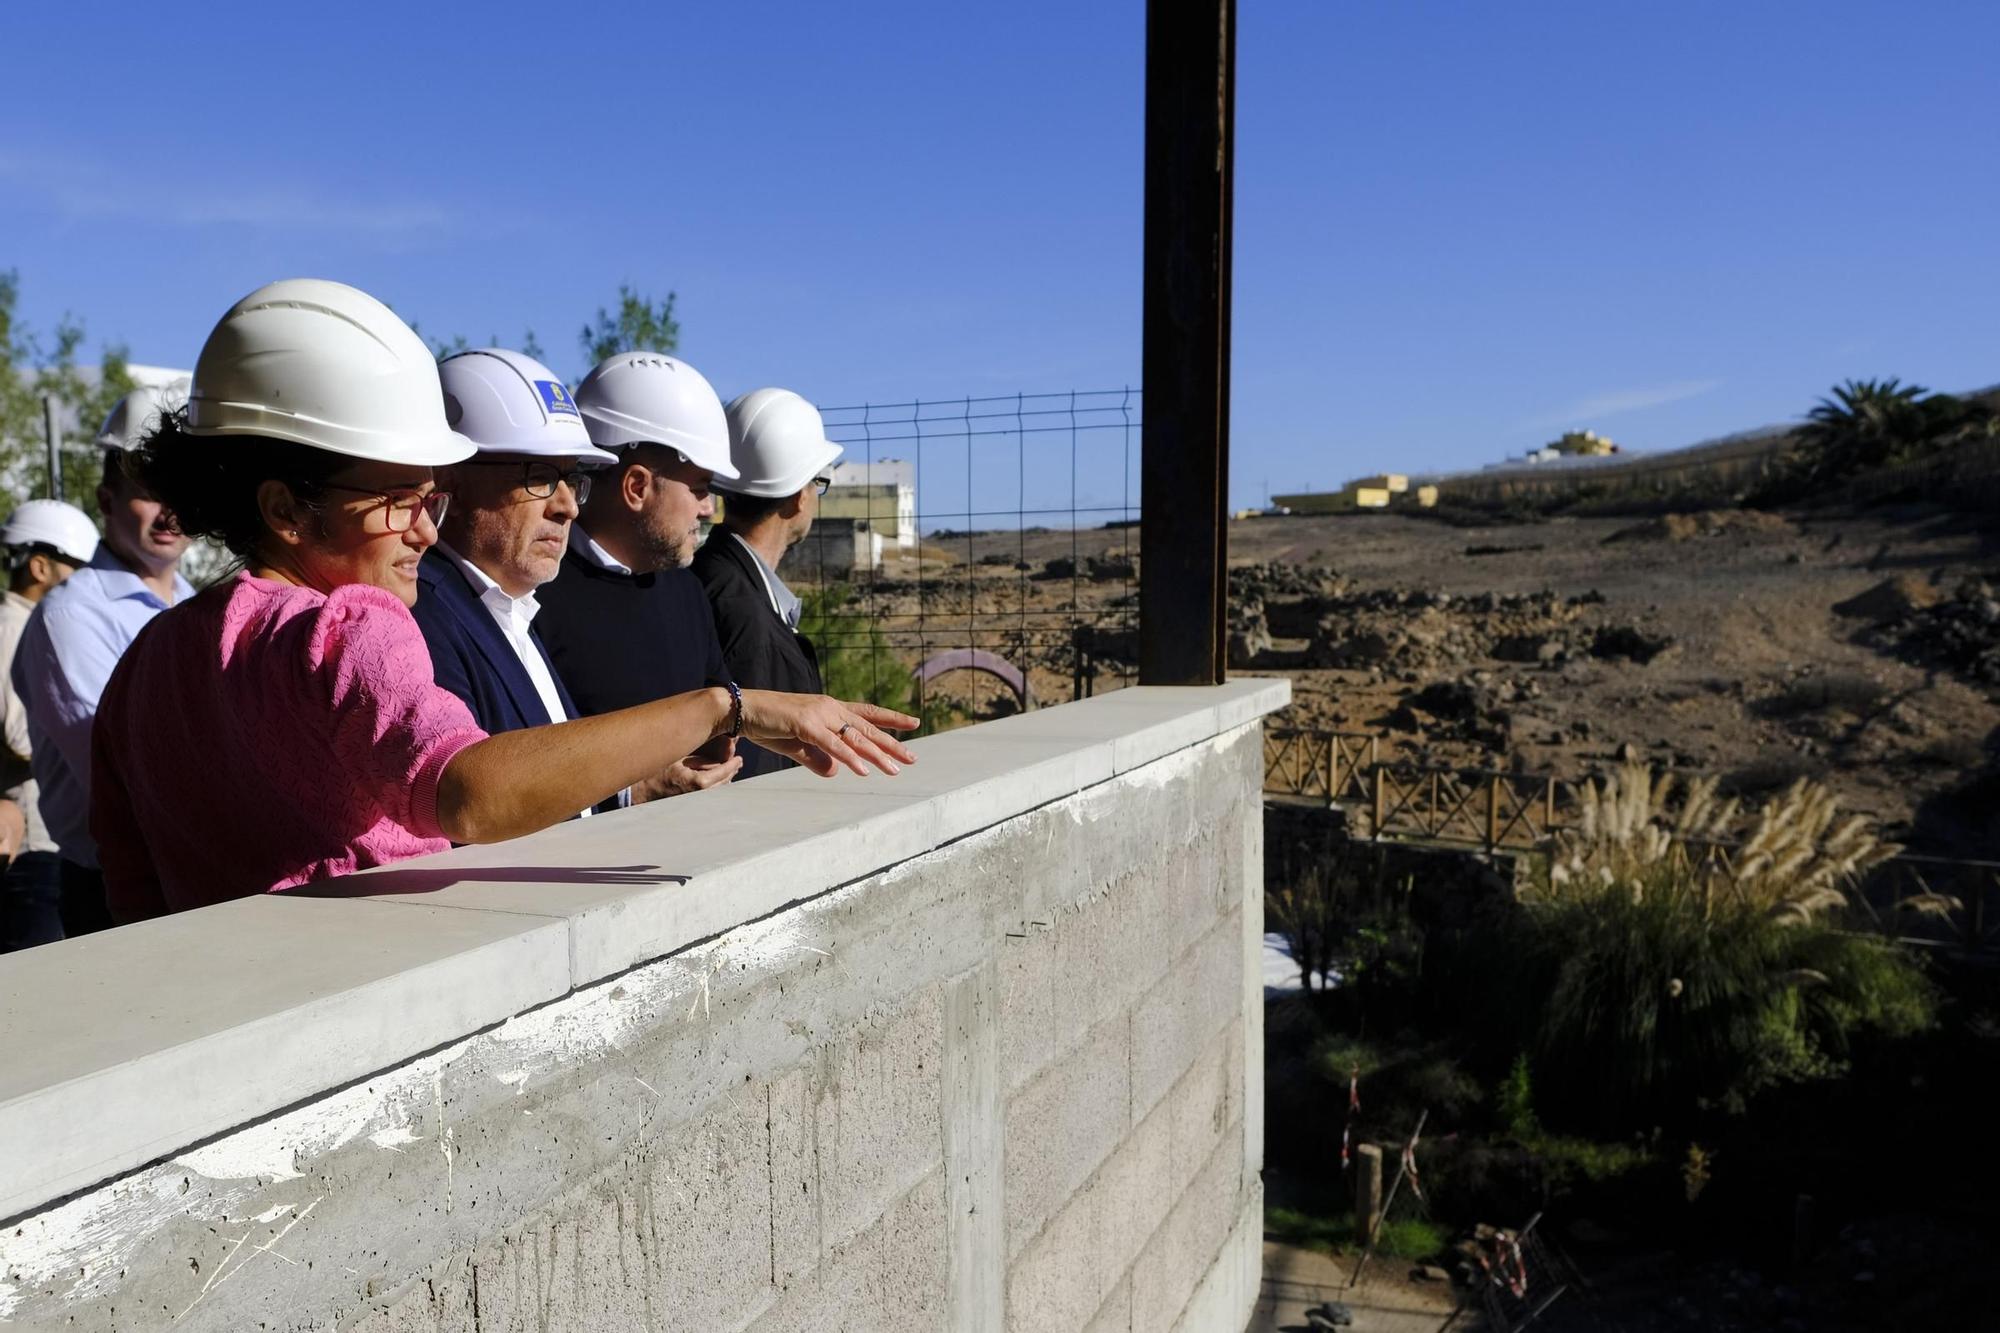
1184,441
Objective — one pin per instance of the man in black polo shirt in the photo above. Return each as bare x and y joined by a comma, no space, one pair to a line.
624,621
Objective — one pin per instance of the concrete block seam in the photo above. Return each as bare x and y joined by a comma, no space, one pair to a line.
1164,1107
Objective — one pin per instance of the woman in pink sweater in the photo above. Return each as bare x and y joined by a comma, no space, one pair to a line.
283,726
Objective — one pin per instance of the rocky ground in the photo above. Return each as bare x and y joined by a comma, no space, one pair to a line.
1861,648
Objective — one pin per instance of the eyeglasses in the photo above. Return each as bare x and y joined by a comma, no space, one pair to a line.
821,484
401,505
539,480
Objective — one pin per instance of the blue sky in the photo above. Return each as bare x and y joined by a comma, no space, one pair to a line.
1461,228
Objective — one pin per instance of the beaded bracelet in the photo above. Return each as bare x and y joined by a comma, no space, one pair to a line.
735,708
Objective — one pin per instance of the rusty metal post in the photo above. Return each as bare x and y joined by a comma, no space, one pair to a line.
1184,442
1492,812
1381,804
1549,806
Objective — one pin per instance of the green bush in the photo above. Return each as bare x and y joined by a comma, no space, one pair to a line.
1516,1102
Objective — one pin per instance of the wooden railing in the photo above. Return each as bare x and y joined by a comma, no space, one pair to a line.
1326,764
1467,807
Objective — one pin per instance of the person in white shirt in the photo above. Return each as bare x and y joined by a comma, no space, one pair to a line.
80,631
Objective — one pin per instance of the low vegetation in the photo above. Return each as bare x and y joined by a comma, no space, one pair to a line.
1406,1238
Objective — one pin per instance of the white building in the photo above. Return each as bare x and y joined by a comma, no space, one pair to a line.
882,493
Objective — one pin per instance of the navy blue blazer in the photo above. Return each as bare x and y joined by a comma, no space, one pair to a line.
472,658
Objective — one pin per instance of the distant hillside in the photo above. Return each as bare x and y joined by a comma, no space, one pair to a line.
1710,468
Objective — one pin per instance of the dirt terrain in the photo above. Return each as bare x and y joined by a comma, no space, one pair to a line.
1862,648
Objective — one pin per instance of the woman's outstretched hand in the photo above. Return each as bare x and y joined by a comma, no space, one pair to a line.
825,734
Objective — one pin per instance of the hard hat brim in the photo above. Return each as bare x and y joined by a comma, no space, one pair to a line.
424,449
588,454
783,486
437,450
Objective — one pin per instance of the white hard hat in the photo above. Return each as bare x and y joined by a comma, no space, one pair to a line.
138,414
507,403
63,528
652,398
778,443
323,364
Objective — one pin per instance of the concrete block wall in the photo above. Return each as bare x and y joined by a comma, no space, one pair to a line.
1007,1076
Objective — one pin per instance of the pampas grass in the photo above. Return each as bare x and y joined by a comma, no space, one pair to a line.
1678,953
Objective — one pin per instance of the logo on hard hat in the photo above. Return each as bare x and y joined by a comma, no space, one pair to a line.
556,398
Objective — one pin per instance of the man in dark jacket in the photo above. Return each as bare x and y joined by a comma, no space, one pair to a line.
778,446
624,621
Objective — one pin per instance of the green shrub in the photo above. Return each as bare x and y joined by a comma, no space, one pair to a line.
1397,1085
1516,1102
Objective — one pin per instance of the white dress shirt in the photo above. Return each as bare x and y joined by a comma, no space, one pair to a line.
586,546
514,615
783,600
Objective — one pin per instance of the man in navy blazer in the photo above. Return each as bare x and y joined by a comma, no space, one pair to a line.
473,658
503,535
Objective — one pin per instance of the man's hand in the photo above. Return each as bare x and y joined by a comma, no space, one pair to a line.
698,772
13,830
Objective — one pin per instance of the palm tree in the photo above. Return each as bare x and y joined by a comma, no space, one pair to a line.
1875,423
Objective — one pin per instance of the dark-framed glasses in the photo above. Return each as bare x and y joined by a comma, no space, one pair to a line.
400,505
821,485
540,479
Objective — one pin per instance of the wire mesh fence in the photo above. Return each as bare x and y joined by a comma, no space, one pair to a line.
977,555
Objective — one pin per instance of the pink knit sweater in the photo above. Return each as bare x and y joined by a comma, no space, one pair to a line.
262,735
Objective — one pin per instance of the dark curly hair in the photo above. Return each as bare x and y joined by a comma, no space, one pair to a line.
210,483
748,509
